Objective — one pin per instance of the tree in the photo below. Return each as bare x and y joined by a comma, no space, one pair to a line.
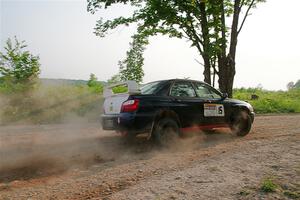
290,85
297,84
205,23
17,65
132,67
92,81
94,84
114,79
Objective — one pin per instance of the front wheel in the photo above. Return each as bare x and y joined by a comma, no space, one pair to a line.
241,123
166,132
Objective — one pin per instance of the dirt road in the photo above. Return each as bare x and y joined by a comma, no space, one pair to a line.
79,161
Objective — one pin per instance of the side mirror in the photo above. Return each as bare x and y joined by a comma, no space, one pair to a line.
224,95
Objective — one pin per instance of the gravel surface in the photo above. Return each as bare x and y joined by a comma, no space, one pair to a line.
80,161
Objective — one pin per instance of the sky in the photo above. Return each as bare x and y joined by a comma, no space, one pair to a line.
61,33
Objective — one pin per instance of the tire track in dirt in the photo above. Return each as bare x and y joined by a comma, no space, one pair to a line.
122,167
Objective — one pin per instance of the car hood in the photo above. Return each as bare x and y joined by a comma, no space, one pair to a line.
239,102
236,101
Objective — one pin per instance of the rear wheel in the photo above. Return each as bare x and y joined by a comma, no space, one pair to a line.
166,132
241,123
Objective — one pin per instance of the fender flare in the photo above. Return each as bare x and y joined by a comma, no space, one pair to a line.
238,107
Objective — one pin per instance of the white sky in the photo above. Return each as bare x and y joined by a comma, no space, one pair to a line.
61,33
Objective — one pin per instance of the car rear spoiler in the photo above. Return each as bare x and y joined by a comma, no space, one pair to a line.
133,88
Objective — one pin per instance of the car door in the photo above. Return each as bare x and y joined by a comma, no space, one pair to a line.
214,108
185,103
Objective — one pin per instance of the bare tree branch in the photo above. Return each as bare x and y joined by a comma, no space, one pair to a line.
246,15
194,42
199,62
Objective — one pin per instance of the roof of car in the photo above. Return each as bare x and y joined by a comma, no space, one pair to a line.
180,79
177,79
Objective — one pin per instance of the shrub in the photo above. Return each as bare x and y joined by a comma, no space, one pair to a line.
268,185
120,89
271,101
94,85
50,104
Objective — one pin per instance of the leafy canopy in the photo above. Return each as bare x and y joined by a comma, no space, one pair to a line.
203,22
132,67
18,67
17,63
114,79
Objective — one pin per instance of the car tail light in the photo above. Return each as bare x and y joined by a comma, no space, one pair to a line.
130,105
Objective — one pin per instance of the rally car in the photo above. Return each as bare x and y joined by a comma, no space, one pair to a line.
173,106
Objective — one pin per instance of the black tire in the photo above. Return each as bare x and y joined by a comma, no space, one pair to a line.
166,132
241,123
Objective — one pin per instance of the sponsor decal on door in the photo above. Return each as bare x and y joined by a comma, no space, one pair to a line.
213,110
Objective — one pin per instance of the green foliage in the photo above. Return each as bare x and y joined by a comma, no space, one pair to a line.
271,101
132,67
268,185
94,84
50,104
292,194
204,23
117,79
297,84
244,192
120,89
22,100
114,79
19,69
292,85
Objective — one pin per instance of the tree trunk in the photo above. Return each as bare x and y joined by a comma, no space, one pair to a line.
207,72
205,35
226,75
227,64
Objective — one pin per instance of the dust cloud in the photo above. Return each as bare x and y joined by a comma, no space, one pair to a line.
42,146
49,131
34,151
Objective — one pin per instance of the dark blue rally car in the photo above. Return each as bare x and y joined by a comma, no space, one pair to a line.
177,105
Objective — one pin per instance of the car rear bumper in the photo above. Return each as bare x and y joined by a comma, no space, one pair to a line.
126,122
109,122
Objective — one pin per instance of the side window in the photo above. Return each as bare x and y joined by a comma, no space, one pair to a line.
164,90
203,91
182,89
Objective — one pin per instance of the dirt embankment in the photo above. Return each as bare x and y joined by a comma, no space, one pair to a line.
79,161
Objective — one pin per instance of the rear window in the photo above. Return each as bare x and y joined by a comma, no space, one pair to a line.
154,88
